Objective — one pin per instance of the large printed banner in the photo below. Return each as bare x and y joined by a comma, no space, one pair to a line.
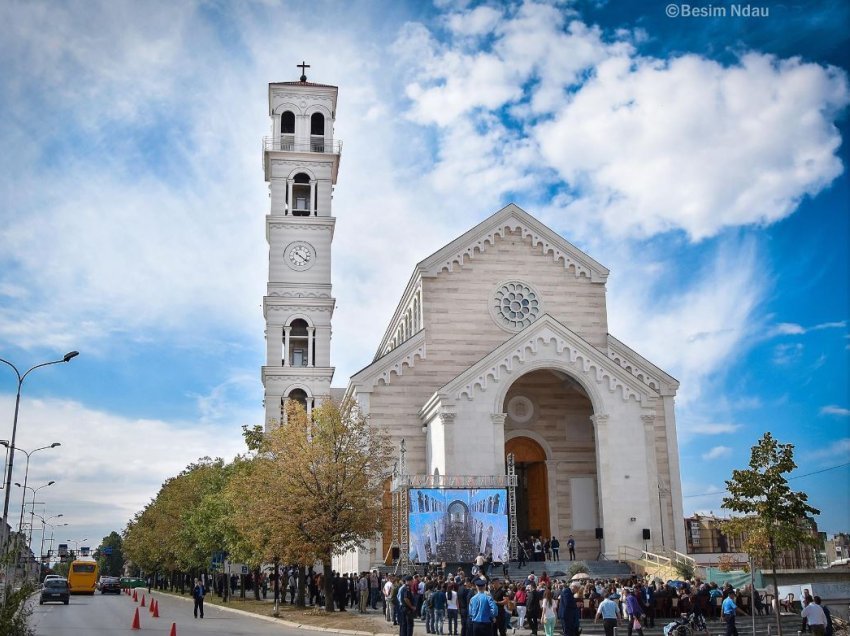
455,525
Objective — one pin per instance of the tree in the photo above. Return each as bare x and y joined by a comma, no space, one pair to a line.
184,524
111,555
775,517
315,487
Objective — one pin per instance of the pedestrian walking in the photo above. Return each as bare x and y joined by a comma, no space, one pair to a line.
198,593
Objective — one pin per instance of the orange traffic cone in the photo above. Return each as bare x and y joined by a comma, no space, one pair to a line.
173,631
143,600
151,605
156,610
135,595
136,624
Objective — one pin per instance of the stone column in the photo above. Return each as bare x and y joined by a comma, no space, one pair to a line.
312,197
311,332
498,420
648,419
289,202
552,484
286,331
274,341
603,473
451,452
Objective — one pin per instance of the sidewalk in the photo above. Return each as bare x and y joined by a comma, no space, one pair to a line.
310,618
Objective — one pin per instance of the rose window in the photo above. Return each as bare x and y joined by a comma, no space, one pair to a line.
516,305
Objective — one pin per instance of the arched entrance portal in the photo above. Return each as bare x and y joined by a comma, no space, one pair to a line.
549,429
532,495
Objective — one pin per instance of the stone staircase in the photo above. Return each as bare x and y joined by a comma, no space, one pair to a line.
561,569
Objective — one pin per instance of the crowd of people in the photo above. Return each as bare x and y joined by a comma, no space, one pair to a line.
480,604
461,604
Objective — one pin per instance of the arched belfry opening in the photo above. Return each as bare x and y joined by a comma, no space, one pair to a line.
317,132
287,125
299,345
549,430
301,195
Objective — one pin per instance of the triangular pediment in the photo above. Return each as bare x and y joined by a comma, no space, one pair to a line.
594,370
514,219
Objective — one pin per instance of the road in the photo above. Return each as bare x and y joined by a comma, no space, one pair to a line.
100,615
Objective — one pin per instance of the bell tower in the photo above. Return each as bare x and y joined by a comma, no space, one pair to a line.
300,162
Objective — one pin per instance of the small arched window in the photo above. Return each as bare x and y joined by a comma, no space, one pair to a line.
301,195
317,124
300,396
287,123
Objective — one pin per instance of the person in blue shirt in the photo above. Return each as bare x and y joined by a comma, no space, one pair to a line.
609,610
438,603
729,609
482,611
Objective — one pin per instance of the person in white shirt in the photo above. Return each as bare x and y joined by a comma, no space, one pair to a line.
815,618
388,604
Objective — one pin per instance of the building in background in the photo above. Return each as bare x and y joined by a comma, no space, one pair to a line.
709,545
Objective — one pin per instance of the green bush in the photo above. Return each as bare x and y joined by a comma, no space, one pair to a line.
15,612
575,568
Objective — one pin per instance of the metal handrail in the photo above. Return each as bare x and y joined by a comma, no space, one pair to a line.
288,143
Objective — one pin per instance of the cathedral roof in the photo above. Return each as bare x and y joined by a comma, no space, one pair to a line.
513,218
478,239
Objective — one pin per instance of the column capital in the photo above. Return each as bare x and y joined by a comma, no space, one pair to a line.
448,418
599,418
648,418
498,419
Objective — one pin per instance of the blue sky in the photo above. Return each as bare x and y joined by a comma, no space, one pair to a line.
703,160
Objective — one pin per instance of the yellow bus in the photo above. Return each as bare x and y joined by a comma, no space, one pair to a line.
82,576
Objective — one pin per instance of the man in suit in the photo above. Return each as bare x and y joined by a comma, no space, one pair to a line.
568,610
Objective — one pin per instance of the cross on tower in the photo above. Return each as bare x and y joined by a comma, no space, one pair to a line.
303,66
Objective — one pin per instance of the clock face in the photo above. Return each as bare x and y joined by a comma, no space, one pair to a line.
300,255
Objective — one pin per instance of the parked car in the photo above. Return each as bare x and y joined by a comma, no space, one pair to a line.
109,584
55,591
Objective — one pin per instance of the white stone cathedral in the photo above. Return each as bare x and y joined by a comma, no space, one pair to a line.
499,344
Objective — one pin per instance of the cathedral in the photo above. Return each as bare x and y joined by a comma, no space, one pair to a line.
496,369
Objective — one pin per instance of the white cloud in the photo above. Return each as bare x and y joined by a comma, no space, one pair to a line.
692,333
478,21
717,452
787,354
691,144
793,329
720,428
837,450
108,466
641,145
835,410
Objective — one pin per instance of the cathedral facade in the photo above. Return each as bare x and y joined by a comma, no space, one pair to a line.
499,345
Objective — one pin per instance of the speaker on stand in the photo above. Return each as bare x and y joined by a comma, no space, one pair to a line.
646,539
599,537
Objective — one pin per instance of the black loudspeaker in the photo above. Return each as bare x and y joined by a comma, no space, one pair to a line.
396,553
646,534
599,533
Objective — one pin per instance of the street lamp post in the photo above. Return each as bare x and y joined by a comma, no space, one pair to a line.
32,507
12,448
11,444
44,524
